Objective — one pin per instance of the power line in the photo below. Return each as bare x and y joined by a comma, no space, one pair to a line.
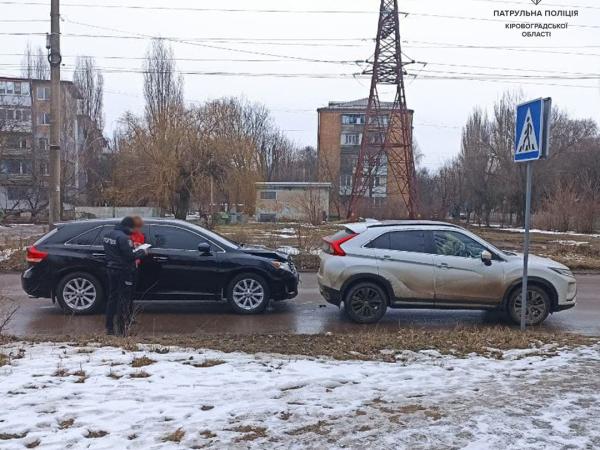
503,2
442,45
427,63
23,20
215,47
192,9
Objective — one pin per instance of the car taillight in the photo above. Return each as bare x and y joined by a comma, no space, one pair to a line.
334,246
35,256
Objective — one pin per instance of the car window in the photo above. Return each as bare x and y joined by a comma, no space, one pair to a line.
408,241
103,233
88,238
382,242
451,243
174,238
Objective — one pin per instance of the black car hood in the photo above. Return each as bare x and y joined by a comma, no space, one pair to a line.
264,252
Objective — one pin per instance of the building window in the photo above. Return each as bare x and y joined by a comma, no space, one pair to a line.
267,218
7,114
16,193
15,167
23,115
268,195
7,87
353,119
351,138
377,138
43,93
44,168
43,143
380,181
346,180
44,119
14,142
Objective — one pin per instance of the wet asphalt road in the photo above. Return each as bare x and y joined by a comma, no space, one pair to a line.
307,314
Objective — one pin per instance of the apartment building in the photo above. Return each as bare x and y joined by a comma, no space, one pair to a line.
341,126
25,140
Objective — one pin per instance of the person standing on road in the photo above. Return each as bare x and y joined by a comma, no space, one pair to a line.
138,238
121,256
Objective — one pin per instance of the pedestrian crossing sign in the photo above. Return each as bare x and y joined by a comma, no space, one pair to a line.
531,141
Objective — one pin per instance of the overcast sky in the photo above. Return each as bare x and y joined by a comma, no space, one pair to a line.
441,105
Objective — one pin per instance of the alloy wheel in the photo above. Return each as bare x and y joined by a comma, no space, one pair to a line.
536,307
79,294
366,302
248,294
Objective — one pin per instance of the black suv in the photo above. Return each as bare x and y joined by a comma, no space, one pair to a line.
186,263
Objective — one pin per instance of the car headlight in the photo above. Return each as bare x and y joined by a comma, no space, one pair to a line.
561,271
282,265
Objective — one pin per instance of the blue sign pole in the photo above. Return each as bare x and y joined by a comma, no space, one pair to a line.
525,287
531,144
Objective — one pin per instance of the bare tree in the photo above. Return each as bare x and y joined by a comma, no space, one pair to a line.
163,86
89,81
34,64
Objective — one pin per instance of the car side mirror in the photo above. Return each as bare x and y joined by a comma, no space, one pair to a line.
486,257
204,248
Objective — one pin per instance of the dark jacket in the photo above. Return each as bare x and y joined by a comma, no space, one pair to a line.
119,249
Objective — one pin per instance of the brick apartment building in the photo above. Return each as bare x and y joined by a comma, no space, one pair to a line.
341,126
24,144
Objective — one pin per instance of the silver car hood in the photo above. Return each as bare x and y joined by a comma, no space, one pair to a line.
539,261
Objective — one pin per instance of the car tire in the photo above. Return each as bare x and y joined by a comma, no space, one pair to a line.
80,293
538,305
248,293
365,303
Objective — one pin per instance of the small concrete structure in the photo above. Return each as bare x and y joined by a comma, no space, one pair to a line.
109,212
292,201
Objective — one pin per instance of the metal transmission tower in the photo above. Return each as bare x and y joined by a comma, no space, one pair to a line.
387,136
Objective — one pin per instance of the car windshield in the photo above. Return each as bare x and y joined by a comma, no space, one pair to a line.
215,237
490,247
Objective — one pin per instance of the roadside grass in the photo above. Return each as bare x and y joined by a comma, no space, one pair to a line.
175,436
142,362
376,345
66,424
249,432
140,374
9,436
209,363
95,434
579,252
33,444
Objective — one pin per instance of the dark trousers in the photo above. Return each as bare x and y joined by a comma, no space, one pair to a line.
120,300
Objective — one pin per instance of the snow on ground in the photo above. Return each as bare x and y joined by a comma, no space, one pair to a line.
232,401
12,233
567,233
7,253
570,243
288,250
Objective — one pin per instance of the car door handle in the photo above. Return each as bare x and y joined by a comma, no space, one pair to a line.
387,257
98,255
444,266
161,259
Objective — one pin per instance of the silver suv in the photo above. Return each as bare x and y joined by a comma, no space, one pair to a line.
370,266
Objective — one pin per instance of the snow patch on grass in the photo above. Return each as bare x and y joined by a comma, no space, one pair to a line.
526,399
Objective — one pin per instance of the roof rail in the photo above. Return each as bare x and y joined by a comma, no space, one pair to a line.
408,223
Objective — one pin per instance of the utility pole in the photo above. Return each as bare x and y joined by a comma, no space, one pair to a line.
55,59
387,136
